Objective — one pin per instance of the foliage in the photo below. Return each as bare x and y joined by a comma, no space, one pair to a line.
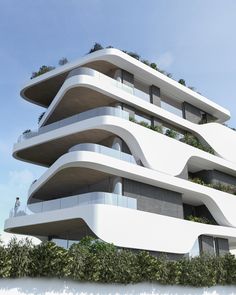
26,131
145,124
96,261
5,262
96,47
198,219
194,141
157,128
231,189
63,61
171,133
48,260
182,82
42,70
40,117
19,254
188,138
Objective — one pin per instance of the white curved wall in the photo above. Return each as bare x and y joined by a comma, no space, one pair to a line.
130,228
219,203
91,79
142,72
162,157
156,151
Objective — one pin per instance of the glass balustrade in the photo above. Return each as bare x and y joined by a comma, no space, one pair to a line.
101,111
74,201
97,148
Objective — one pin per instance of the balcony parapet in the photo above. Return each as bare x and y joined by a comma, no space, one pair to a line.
97,148
101,111
76,200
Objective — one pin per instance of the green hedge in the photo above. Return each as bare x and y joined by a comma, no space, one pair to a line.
95,261
188,138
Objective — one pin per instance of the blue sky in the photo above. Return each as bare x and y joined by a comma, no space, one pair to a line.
194,40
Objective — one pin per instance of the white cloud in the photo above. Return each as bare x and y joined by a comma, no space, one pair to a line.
165,60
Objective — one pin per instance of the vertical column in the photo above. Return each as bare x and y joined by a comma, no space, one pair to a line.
117,181
124,77
155,95
127,78
117,144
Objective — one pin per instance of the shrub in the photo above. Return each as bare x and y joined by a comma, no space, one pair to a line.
5,262
182,82
171,133
132,119
231,189
63,61
42,70
96,47
26,131
145,124
194,141
40,117
49,260
96,261
19,255
158,128
198,219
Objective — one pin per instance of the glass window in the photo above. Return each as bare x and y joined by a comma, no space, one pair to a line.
176,110
142,118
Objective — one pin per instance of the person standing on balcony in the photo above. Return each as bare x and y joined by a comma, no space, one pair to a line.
17,205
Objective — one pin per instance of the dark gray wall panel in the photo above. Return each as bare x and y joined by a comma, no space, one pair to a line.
155,95
127,78
153,199
191,113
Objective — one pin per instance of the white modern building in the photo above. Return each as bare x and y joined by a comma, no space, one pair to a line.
133,158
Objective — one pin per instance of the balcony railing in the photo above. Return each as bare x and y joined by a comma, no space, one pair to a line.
110,81
101,111
74,201
97,148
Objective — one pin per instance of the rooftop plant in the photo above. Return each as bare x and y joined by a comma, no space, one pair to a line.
40,117
26,131
98,46
44,69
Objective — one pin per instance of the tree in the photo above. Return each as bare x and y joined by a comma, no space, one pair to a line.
42,70
63,61
182,82
154,66
96,47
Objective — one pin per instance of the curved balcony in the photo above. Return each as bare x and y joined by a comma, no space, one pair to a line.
101,111
77,200
97,148
106,79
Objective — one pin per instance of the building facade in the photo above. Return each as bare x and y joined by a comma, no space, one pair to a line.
134,158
